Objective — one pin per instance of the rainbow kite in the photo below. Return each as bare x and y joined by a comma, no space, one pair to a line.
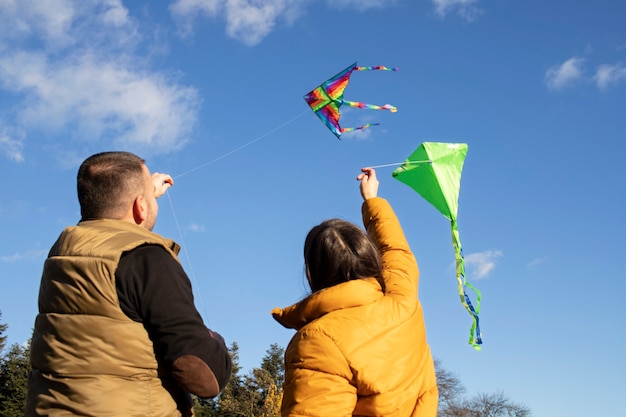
434,171
326,100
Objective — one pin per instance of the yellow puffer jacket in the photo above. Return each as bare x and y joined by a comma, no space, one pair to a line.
357,351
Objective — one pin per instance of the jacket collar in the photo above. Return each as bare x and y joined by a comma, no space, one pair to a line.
345,295
127,226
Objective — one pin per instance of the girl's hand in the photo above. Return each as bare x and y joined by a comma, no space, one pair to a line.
369,183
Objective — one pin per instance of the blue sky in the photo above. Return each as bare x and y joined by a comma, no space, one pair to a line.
210,91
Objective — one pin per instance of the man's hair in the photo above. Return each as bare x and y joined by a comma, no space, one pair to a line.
108,183
337,251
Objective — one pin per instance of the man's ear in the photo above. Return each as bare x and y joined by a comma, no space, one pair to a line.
140,210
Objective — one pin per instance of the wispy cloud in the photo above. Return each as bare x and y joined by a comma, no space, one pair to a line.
75,64
560,76
482,263
30,255
196,228
353,117
247,21
361,5
251,21
607,75
11,143
464,8
358,135
537,261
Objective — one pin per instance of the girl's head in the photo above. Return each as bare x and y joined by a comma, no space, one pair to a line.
337,251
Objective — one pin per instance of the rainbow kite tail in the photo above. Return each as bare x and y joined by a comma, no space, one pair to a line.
375,68
475,338
362,105
350,129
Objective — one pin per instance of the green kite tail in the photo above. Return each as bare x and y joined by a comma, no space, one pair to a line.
433,170
475,337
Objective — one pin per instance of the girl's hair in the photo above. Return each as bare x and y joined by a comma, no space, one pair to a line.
337,251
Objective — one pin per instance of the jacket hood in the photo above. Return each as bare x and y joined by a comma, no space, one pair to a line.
348,294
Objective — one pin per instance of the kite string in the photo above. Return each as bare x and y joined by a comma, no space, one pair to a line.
427,161
180,232
184,246
243,146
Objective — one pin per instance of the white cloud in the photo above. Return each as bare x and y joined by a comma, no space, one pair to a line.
560,76
464,8
361,5
59,24
30,255
566,74
251,21
248,21
482,263
607,75
74,64
11,143
358,135
198,228
49,21
189,7
101,98
537,261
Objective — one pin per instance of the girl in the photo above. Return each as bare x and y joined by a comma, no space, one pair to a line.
360,347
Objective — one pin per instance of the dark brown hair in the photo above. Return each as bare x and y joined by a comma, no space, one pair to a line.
107,184
337,251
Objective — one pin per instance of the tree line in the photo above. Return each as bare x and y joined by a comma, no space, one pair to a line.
258,392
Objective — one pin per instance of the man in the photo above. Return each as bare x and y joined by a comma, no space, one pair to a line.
117,332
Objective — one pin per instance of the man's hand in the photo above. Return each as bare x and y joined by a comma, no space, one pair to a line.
161,183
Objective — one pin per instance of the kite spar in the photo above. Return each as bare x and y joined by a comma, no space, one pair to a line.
433,170
326,99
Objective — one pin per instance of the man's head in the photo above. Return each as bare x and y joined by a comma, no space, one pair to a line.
117,185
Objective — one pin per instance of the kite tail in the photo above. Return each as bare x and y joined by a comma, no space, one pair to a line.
475,338
350,129
375,68
362,105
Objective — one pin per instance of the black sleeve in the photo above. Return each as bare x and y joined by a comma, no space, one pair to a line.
153,289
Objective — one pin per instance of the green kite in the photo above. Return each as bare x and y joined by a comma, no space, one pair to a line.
434,171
